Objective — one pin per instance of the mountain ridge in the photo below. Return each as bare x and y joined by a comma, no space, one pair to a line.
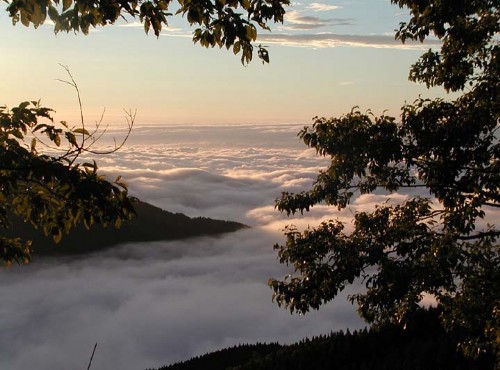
150,224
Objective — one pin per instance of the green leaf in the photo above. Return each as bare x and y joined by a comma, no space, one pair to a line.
236,47
57,236
18,134
25,19
24,105
67,4
251,32
53,14
71,138
81,131
39,127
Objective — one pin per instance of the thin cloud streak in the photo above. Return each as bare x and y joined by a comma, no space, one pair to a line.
331,40
298,22
318,7
137,24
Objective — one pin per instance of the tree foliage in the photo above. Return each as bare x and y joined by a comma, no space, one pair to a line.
443,242
51,189
422,345
223,23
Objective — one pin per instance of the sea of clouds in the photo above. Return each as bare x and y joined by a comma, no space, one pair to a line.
151,304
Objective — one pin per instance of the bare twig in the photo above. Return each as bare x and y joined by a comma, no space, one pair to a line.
130,117
89,139
75,86
92,357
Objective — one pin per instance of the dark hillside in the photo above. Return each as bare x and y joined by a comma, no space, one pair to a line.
226,358
422,346
150,224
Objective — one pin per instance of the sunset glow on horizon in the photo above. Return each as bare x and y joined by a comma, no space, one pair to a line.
325,59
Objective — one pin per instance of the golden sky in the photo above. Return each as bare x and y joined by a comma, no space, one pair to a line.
325,58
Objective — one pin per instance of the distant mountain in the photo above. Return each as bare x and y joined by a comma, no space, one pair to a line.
150,224
226,358
422,345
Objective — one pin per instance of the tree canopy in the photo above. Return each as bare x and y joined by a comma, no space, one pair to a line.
443,242
223,23
43,180
422,345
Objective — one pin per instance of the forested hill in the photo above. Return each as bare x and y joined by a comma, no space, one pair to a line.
423,345
150,224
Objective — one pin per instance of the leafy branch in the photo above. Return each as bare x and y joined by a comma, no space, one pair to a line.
54,193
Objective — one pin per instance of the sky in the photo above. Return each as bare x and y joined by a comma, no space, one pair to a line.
212,138
326,58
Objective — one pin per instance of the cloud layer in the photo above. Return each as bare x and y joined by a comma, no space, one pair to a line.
148,305
152,304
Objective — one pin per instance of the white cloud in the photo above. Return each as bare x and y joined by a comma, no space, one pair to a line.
296,21
330,40
151,304
166,30
132,24
319,7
